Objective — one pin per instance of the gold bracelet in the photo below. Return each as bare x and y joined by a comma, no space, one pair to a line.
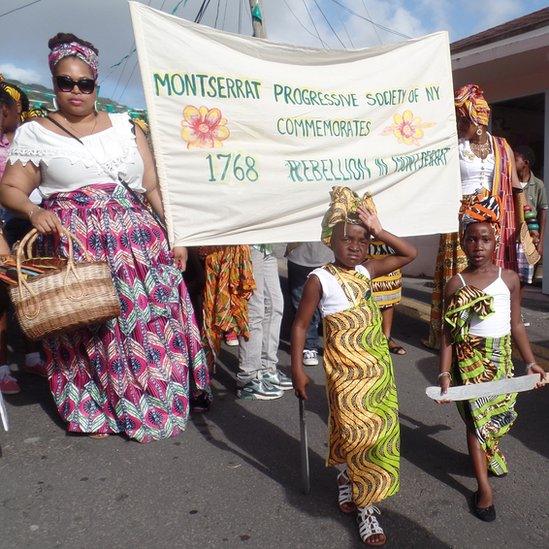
442,374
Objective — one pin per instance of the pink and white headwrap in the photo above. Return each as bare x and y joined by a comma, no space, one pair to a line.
76,50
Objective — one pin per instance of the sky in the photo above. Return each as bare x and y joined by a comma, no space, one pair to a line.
313,23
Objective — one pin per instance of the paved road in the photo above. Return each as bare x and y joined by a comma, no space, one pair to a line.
232,479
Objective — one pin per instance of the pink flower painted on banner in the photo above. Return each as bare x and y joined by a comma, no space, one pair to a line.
203,128
407,128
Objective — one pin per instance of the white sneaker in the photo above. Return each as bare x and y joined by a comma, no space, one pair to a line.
310,357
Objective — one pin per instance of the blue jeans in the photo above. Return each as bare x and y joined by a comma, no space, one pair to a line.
297,276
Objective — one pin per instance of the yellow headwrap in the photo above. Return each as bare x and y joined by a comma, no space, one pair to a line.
9,89
343,207
469,101
17,95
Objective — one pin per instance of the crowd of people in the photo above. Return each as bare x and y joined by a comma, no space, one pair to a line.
142,373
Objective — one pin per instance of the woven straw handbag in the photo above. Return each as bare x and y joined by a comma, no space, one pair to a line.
68,297
525,238
530,250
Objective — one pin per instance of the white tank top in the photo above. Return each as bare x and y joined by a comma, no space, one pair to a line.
499,323
333,298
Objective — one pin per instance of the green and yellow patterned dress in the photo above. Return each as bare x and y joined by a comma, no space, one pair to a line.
364,432
477,360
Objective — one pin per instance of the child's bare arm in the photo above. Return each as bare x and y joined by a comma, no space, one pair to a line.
518,332
445,355
312,292
4,248
404,251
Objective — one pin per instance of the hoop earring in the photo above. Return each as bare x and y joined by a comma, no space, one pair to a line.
479,131
54,102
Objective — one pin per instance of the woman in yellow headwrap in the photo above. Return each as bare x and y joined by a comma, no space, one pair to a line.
363,424
487,168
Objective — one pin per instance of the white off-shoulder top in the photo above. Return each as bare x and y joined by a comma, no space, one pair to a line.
67,165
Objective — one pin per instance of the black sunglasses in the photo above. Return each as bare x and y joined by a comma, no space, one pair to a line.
66,84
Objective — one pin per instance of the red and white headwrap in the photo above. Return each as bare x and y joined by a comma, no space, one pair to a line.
74,49
469,100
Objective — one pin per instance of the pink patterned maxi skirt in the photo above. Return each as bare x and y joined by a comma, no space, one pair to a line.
135,374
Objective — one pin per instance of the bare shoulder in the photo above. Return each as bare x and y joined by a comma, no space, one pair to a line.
313,285
313,280
452,286
40,120
510,278
103,117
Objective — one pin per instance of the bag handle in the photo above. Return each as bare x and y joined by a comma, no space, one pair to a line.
22,252
67,131
123,183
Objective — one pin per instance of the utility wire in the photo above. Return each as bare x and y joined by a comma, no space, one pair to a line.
299,20
314,25
345,29
177,6
119,79
202,11
217,13
130,54
127,82
329,24
19,8
373,26
224,15
383,27
249,12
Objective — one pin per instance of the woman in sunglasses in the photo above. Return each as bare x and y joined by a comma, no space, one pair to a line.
137,374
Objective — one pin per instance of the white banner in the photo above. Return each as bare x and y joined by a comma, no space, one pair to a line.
250,136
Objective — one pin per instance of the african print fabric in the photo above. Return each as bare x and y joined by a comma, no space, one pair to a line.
450,258
387,289
228,287
134,374
364,432
477,360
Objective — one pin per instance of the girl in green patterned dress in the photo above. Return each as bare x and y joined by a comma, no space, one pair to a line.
363,425
482,315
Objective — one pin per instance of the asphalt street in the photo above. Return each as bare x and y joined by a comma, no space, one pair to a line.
233,478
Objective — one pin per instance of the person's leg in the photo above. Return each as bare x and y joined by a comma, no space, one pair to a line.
249,356
297,277
8,384
387,320
274,307
480,469
387,316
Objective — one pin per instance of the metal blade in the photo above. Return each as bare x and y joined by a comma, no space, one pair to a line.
3,413
486,389
305,473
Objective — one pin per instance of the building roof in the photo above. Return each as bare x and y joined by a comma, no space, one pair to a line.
521,25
